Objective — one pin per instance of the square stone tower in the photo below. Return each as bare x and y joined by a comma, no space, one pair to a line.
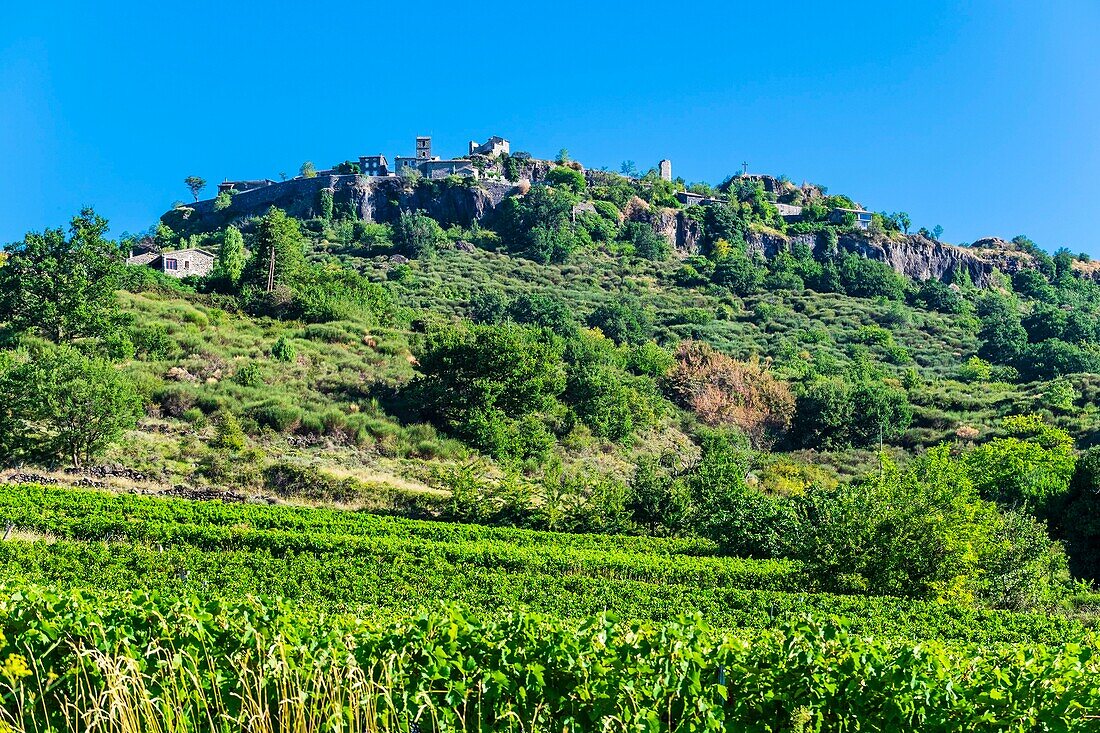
665,169
423,148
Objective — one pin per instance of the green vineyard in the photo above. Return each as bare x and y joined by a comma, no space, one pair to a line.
349,621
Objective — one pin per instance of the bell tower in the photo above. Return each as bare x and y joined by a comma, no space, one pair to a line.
423,148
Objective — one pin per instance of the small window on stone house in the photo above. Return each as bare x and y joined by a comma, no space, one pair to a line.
171,264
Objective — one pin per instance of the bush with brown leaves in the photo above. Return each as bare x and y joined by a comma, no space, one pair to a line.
725,392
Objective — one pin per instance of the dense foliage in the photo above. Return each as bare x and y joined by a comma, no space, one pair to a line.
769,425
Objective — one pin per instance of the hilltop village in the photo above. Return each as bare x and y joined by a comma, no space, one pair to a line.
493,160
777,214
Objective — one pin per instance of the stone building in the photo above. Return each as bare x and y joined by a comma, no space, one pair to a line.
689,198
423,147
374,165
664,168
862,218
789,212
180,263
433,167
494,146
240,186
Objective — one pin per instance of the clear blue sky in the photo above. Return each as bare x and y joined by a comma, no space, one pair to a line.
981,116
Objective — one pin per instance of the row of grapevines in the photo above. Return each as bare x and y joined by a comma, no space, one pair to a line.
52,509
86,519
400,581
189,665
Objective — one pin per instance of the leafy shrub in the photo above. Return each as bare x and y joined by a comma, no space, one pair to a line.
153,343
418,235
976,369
283,350
249,375
276,415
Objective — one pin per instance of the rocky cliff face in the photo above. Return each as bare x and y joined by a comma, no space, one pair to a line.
913,255
383,199
683,233
369,199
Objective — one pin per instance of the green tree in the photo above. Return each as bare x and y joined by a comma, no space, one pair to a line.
228,432
1002,332
489,385
1079,524
741,520
62,288
567,177
824,413
613,404
1031,468
231,259
1032,284
879,411
223,201
622,321
647,243
325,203
658,498
1054,358
418,235
540,309
62,405
539,224
278,236
195,185
867,278
738,273
489,306
308,170
938,296
723,222
915,532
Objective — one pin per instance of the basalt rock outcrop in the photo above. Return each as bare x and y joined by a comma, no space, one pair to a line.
913,255
365,198
466,201
683,233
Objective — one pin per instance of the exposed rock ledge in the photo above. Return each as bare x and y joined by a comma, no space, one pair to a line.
367,198
914,255
382,199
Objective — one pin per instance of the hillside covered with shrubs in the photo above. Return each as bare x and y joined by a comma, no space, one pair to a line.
561,363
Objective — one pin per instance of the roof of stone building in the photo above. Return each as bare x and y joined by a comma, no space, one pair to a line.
206,252
142,259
